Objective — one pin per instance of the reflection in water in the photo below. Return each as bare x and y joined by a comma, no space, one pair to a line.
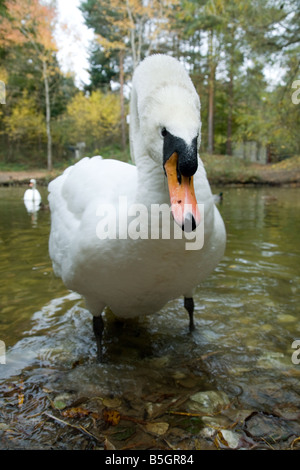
32,209
247,318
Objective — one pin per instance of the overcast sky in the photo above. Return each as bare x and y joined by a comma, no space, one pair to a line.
73,37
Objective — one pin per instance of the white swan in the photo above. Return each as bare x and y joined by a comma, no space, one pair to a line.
32,198
127,269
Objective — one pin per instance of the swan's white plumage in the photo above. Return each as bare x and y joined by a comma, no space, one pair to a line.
134,277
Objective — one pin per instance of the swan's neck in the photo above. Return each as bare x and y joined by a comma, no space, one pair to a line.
152,182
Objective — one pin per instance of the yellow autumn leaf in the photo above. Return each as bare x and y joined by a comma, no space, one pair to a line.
111,417
75,412
20,399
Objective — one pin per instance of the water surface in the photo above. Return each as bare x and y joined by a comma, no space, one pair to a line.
247,317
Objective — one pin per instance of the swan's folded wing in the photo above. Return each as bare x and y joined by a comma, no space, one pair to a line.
74,194
63,223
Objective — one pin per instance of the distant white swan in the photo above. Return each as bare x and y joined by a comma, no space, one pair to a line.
117,260
32,197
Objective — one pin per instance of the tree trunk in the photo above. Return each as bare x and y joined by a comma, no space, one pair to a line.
123,117
132,35
48,116
230,95
230,109
211,85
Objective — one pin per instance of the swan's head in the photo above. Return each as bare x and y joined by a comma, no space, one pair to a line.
32,183
166,125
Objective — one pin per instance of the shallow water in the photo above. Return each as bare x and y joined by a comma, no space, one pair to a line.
247,317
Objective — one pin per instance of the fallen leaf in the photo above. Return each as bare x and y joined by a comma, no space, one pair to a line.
108,445
20,399
157,428
111,417
59,405
112,402
295,442
61,401
75,413
226,438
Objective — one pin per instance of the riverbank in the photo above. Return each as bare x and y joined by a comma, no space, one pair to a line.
221,170
224,170
15,178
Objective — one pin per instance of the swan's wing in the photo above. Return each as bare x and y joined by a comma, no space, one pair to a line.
32,195
27,195
37,196
63,222
74,195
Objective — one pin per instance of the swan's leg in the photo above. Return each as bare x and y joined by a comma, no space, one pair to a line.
189,306
98,327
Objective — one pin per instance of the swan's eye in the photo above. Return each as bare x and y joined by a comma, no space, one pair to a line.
164,132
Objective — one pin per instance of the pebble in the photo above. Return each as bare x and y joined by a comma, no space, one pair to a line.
208,402
286,318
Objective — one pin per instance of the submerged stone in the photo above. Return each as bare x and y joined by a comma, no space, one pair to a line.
274,360
286,318
208,402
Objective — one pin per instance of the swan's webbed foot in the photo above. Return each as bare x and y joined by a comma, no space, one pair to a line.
98,327
189,306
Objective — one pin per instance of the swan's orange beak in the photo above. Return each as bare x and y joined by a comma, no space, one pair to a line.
184,206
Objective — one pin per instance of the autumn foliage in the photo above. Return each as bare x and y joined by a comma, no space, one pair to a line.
227,47
27,20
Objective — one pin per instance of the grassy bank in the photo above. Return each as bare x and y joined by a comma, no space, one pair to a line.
224,170
221,170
